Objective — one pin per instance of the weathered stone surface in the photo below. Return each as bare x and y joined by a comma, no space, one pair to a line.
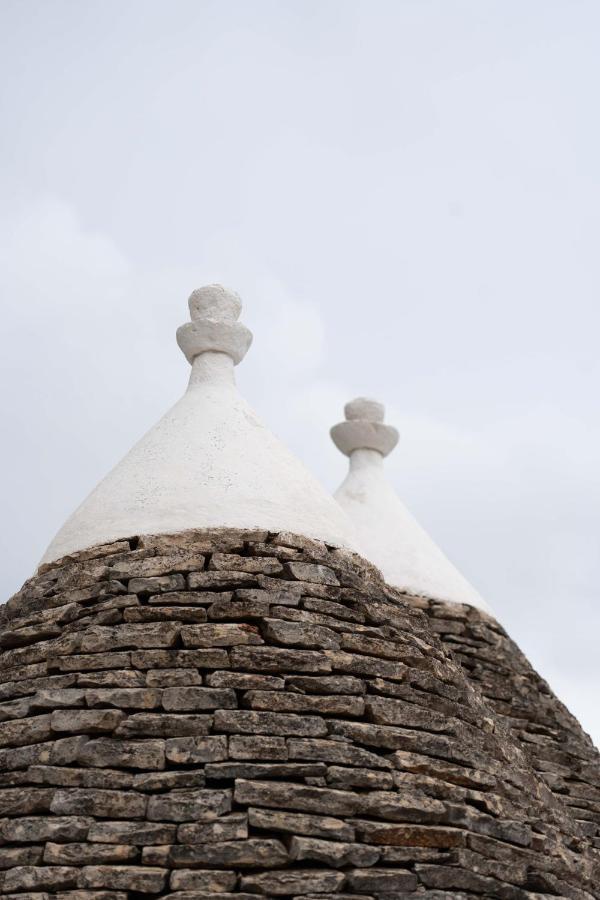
227,635
266,565
295,635
159,583
333,853
341,705
144,879
124,698
21,732
245,681
227,828
409,835
111,678
169,781
67,776
208,581
335,752
109,804
362,761
242,722
257,747
297,797
203,880
382,880
293,881
93,661
301,823
163,725
196,698
129,754
312,572
276,659
229,770
348,778
238,609
168,678
24,801
249,854
35,878
188,598
46,828
189,806
134,833
165,614
326,685
19,856
193,750
166,659
149,567
88,854
144,636
86,721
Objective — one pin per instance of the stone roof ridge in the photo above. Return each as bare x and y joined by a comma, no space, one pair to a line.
209,462
389,535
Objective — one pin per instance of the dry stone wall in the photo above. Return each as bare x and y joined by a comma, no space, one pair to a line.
554,741
233,714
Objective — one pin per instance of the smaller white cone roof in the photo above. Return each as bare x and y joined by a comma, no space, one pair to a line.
209,462
388,534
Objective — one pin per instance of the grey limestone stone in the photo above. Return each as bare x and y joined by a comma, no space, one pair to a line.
301,823
249,854
189,805
233,827
221,635
147,754
133,833
103,803
143,879
333,853
193,750
276,659
198,698
271,723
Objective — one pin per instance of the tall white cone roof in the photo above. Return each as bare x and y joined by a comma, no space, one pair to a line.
209,462
388,534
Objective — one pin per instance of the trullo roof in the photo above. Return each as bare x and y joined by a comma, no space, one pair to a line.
209,462
388,534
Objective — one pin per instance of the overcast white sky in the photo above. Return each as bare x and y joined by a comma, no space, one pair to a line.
405,194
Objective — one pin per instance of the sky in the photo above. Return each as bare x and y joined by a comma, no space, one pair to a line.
406,195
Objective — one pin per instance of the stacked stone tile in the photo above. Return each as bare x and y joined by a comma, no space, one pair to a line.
232,714
554,741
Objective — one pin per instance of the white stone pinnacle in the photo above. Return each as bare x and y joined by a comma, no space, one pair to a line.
214,327
388,534
209,462
364,428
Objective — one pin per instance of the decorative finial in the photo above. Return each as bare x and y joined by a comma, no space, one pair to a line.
214,312
364,428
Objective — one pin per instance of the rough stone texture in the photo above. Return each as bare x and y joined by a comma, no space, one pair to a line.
229,714
554,742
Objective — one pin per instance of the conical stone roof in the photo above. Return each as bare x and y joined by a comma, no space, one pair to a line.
225,713
388,534
552,738
210,461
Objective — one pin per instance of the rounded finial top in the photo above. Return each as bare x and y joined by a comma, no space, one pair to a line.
215,302
364,408
214,311
364,428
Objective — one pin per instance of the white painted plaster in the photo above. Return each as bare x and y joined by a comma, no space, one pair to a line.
209,462
388,534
